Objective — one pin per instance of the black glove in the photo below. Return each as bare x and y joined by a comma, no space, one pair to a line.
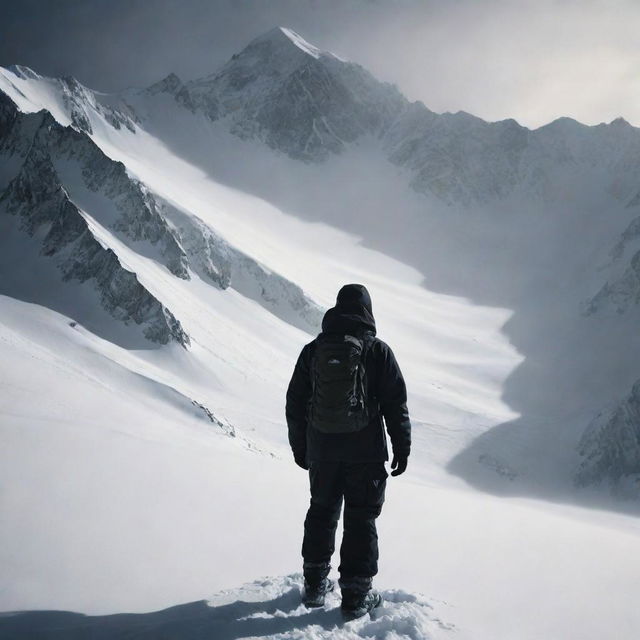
401,463
301,462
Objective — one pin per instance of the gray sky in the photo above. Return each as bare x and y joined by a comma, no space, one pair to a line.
533,60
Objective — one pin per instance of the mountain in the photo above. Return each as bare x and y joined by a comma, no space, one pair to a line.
81,185
49,214
89,204
310,104
165,253
291,96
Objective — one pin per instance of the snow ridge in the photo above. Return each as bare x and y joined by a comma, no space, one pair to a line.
142,222
310,105
38,198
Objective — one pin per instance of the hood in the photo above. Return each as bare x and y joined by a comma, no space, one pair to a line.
352,312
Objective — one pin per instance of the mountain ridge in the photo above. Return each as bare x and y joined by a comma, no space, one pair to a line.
315,108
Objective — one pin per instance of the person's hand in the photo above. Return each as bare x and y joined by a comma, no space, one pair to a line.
399,463
300,461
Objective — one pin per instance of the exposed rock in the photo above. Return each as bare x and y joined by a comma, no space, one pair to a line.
179,241
43,205
171,84
619,294
78,100
310,104
138,219
218,261
622,289
305,103
611,446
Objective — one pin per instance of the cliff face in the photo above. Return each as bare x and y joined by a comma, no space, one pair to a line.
611,447
56,175
46,212
621,291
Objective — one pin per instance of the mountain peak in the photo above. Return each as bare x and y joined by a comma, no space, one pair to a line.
620,122
169,84
284,36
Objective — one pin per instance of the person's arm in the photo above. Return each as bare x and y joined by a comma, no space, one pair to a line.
392,396
298,394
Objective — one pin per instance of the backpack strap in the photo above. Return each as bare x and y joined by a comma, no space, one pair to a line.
368,339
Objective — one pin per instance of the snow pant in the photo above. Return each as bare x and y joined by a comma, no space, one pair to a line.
362,485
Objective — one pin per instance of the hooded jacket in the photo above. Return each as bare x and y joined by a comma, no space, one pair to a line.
352,314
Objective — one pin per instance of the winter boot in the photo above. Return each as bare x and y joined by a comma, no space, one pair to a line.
314,594
358,598
316,583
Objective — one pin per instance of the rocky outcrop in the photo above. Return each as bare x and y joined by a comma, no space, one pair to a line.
38,198
621,291
611,447
214,259
137,218
620,294
78,99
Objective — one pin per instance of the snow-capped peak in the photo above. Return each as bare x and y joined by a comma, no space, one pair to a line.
286,39
284,36
300,42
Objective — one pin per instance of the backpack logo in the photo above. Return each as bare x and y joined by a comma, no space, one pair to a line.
334,361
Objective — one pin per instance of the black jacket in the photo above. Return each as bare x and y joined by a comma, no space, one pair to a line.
386,386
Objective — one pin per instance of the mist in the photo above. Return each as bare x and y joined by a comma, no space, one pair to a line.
533,61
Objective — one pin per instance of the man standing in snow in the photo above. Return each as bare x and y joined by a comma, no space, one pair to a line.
344,383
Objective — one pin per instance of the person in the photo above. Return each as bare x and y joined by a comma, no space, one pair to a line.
347,465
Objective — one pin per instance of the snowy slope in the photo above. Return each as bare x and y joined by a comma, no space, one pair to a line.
164,501
268,608
164,465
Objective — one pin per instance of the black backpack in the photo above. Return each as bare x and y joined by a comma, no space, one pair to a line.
338,402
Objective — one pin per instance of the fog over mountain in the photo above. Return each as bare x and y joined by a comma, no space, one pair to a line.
165,252
531,60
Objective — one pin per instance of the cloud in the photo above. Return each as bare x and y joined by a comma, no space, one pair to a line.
534,61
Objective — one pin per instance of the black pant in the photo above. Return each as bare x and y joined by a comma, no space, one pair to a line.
362,485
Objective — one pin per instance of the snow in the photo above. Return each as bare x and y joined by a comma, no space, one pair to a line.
301,43
128,485
268,608
34,93
120,494
275,35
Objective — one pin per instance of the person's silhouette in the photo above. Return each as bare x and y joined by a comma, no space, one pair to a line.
344,383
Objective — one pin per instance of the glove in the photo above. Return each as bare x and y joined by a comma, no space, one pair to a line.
300,461
401,463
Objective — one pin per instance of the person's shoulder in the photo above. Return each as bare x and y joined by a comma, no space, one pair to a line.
380,349
379,343
309,346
